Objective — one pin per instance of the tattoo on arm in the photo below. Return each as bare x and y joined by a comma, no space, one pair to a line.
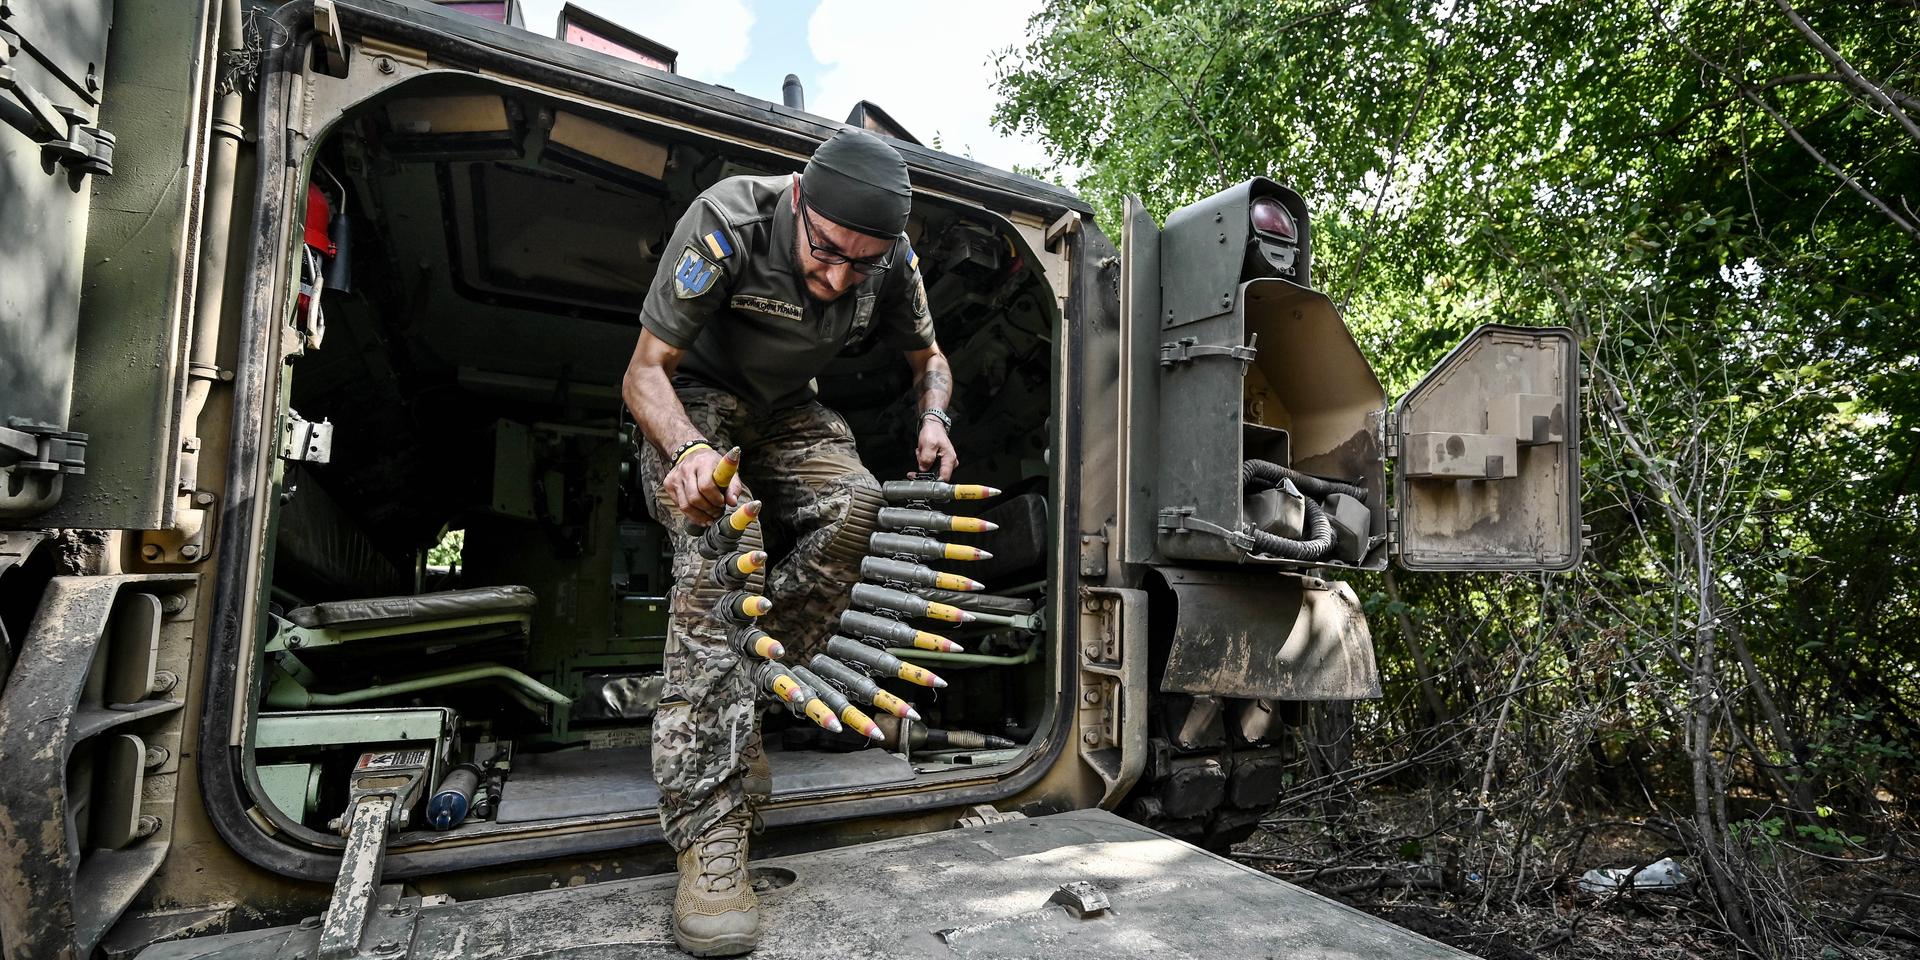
935,384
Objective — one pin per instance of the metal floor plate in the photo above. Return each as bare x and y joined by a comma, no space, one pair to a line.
584,783
975,893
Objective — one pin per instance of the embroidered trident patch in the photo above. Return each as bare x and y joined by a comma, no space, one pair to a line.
694,275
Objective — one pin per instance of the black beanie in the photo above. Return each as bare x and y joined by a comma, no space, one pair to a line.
858,182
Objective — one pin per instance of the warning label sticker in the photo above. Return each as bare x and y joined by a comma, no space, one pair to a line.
392,759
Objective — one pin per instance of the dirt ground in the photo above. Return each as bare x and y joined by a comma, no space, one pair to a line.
1384,863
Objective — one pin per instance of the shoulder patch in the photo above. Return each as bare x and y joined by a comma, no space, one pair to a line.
716,244
919,297
694,275
913,259
770,307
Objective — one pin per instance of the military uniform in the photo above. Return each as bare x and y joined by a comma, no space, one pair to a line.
732,296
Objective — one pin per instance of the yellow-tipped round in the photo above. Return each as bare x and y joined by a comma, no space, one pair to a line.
820,713
920,675
935,642
724,471
973,525
947,612
974,491
787,687
768,647
954,551
894,705
749,563
861,722
743,516
752,605
954,581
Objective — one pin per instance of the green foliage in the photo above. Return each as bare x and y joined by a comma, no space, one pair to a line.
446,553
1724,217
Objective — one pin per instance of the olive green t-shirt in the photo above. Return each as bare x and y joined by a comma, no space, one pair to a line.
729,293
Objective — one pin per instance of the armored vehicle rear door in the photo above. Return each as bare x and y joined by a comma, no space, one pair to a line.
1237,369
89,381
1261,455
1488,474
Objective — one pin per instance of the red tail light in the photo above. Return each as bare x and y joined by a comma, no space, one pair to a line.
1273,220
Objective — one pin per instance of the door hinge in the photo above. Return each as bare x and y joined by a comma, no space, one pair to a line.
1181,520
1390,434
984,815
305,442
1188,349
42,447
64,133
86,149
1393,530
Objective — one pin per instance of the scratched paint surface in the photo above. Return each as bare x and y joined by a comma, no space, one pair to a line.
981,892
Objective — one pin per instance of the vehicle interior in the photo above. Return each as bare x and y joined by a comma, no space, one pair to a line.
462,559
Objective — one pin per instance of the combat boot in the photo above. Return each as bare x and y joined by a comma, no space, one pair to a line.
758,780
716,913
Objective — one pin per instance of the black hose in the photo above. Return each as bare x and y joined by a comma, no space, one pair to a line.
1263,474
1320,540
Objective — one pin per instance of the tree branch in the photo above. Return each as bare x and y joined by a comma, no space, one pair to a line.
1852,183
1193,111
1871,89
1747,90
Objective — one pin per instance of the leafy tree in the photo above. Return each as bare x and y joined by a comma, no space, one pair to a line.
1721,197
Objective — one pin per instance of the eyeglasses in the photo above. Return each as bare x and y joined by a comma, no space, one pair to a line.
835,257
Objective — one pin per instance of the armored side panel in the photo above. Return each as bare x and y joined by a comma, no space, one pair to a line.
52,151
130,357
92,365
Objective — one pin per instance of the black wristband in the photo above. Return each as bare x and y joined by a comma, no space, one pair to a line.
685,449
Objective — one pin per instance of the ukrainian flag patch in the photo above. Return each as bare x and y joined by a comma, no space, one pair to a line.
716,244
694,274
913,259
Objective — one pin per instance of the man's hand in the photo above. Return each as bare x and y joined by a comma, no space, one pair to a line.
690,484
935,447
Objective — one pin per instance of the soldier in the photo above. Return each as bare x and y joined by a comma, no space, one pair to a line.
764,281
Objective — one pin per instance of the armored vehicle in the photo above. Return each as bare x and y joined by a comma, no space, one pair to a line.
331,619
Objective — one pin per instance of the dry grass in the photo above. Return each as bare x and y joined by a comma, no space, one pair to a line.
1383,855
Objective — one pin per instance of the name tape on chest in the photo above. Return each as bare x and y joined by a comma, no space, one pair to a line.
770,307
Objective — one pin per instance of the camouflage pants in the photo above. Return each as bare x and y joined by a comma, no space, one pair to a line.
802,465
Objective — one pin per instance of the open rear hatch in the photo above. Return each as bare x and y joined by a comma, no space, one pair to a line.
464,568
1081,884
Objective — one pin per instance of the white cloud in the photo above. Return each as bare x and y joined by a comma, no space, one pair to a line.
929,66
711,35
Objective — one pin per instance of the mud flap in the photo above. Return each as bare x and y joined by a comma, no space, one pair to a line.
1266,637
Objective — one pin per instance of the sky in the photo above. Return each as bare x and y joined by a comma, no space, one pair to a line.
929,66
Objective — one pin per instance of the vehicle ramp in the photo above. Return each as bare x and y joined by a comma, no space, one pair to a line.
1084,884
